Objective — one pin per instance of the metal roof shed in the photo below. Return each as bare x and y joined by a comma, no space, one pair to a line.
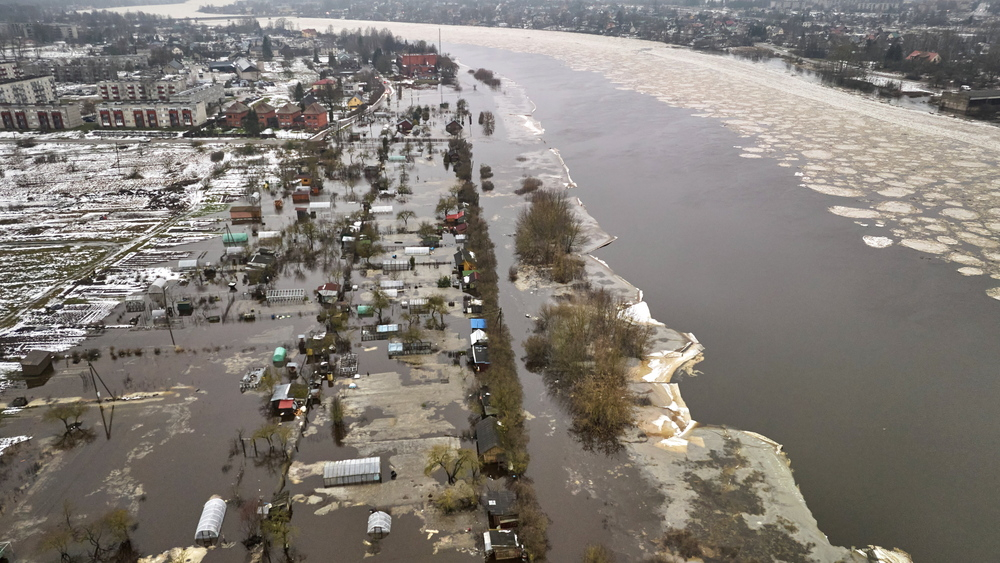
281,392
210,523
352,471
379,524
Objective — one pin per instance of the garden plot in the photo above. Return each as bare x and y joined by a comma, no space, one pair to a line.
65,208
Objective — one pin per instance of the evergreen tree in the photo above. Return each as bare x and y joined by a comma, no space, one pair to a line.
299,92
251,123
266,52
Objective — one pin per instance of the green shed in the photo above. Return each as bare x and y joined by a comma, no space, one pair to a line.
279,355
366,311
235,239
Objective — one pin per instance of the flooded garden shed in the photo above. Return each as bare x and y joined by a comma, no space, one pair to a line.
352,471
379,524
210,523
36,362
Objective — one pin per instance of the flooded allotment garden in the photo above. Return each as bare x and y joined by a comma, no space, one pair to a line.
248,321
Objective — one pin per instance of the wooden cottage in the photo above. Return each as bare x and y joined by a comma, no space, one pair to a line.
502,545
488,441
501,509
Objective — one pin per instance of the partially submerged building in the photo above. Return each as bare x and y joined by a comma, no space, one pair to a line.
501,509
379,525
976,103
352,472
210,524
488,441
502,545
36,363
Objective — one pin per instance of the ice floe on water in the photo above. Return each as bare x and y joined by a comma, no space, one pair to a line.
929,246
852,146
854,212
877,242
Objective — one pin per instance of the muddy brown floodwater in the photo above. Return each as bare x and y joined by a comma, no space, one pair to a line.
876,368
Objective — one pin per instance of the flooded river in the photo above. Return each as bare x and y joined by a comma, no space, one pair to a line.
875,367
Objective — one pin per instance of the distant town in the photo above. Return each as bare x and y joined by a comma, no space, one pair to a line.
869,46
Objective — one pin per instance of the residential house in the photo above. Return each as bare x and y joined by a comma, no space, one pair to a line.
488,441
246,70
453,127
315,116
924,56
502,545
501,509
417,64
479,356
287,114
235,113
464,260
173,67
266,115
354,103
404,126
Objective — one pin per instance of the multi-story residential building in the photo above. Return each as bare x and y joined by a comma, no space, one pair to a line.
28,90
44,116
30,102
144,88
151,115
186,108
87,70
10,69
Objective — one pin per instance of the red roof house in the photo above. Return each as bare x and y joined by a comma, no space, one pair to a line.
315,116
924,56
236,113
287,114
266,115
417,64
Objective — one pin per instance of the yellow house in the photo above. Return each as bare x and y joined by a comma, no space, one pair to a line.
354,103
